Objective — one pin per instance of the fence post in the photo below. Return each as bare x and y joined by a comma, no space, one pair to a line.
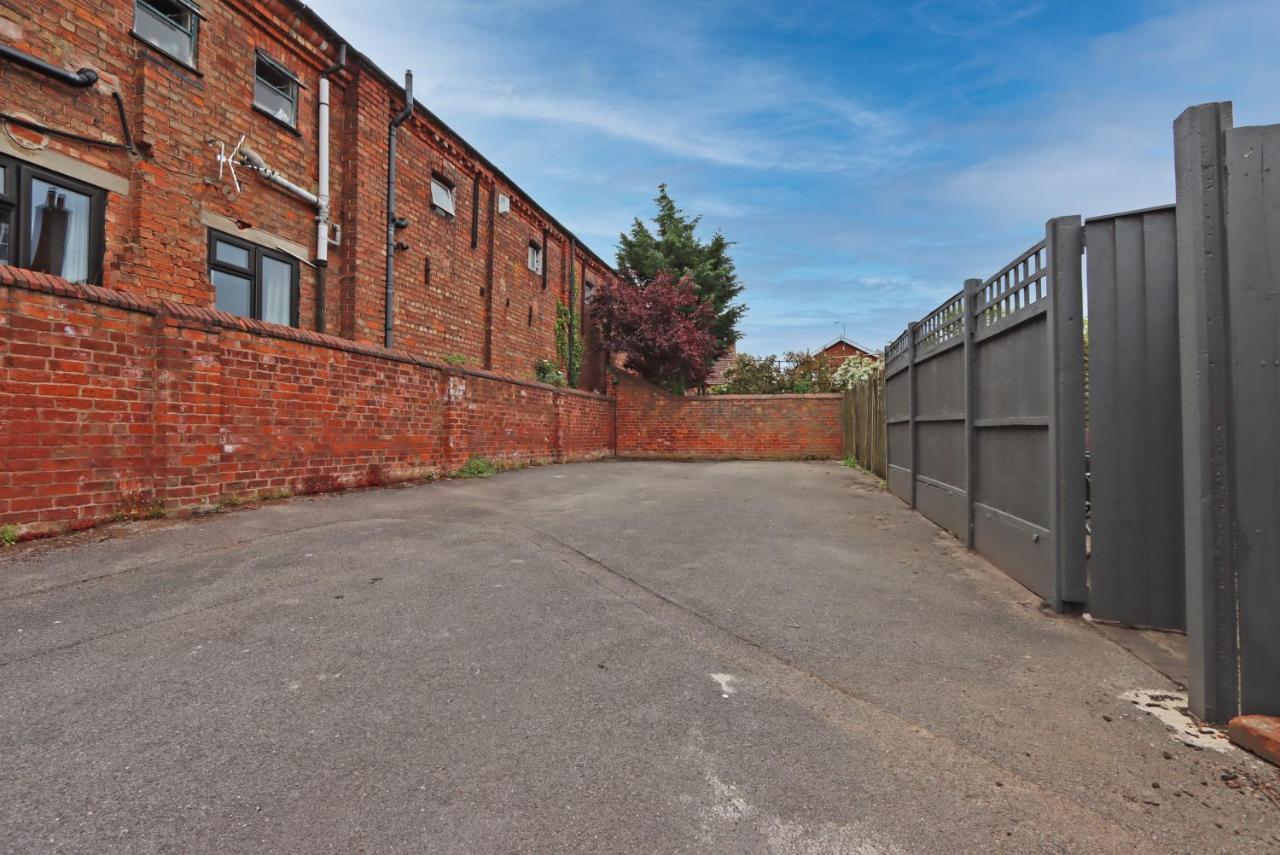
911,404
970,302
849,424
1200,169
1064,238
880,438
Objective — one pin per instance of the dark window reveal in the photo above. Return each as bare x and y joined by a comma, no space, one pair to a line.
253,281
50,223
171,26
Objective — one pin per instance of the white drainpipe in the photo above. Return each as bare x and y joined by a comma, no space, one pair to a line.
322,202
319,199
254,161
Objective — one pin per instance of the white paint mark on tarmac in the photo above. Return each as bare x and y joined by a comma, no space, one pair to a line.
1170,708
725,681
729,810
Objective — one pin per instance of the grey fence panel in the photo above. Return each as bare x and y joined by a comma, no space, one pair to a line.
991,446
1253,265
1012,480
898,416
1136,574
941,467
1229,323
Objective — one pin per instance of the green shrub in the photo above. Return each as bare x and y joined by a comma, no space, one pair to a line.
547,372
478,467
456,359
8,535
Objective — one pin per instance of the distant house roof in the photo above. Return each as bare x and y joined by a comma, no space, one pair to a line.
842,340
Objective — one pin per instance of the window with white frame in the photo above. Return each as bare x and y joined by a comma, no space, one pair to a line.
275,90
170,26
535,256
442,198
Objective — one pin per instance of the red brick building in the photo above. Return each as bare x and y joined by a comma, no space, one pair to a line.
190,318
841,349
119,116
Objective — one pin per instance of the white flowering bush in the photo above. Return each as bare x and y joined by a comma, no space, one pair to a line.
855,371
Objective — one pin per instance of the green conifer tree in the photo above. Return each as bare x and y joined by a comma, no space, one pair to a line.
676,249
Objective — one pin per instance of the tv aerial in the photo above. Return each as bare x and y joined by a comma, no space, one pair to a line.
228,161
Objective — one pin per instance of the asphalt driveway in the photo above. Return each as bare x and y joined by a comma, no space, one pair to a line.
605,657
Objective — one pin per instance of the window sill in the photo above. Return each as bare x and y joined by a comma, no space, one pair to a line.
279,121
159,51
442,212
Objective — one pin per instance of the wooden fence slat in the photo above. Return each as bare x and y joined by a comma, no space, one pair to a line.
865,429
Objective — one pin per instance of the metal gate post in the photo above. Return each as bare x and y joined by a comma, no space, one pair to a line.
912,409
971,288
1199,165
1064,238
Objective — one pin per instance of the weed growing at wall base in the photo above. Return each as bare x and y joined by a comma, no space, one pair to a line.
478,467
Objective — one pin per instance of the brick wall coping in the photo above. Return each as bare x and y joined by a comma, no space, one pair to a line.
45,283
628,377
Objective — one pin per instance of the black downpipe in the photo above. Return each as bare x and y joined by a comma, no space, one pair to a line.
394,224
81,79
322,267
124,123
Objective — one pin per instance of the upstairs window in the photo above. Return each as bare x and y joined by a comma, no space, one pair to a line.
535,256
442,195
170,26
253,281
275,90
50,223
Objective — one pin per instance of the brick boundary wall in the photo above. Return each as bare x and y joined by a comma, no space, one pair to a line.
117,405
655,424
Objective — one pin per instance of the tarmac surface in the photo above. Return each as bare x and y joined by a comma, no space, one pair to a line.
602,657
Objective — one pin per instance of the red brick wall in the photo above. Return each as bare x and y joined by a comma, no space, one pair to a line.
116,404
480,304
655,424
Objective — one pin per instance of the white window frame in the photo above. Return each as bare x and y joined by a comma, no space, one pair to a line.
535,256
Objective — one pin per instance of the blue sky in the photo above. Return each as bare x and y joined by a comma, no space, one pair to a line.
866,157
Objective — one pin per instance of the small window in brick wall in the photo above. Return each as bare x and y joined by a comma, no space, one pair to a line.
170,26
535,256
531,316
442,198
275,90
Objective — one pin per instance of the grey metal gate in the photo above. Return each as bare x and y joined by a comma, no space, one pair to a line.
1229,317
1135,444
984,403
